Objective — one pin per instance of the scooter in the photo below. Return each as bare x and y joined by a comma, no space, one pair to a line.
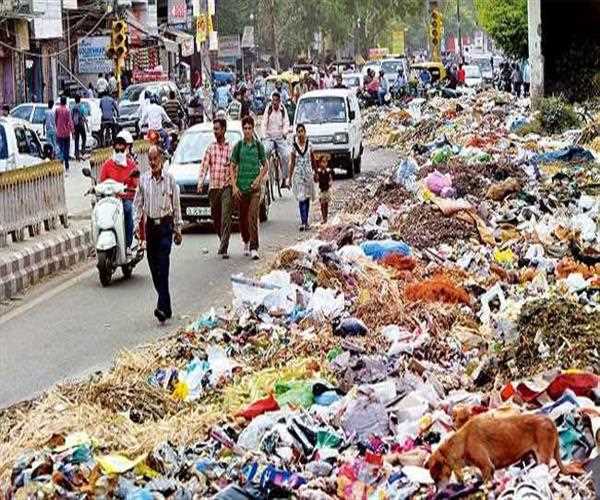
108,230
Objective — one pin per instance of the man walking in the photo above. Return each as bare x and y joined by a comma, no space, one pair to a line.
157,198
217,163
64,129
110,110
50,128
249,160
79,123
275,126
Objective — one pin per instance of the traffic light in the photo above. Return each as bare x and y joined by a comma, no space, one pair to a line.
436,27
119,43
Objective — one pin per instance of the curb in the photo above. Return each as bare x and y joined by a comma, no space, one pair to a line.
21,269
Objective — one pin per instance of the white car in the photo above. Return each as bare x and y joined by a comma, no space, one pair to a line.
353,81
334,125
390,68
35,114
20,145
185,167
473,76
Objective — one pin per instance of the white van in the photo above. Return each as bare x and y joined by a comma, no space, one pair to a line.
334,125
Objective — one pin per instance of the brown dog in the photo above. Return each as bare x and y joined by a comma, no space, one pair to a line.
492,442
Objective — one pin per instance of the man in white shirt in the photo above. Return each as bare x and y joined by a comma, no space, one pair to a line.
154,115
101,85
275,125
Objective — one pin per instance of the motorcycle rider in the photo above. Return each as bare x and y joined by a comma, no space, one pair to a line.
155,116
174,110
123,169
275,126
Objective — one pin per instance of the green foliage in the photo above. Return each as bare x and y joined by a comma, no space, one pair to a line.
506,22
556,115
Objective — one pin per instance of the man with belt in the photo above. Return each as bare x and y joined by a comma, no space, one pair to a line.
157,198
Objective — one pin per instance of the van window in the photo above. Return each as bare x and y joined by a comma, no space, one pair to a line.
322,110
3,143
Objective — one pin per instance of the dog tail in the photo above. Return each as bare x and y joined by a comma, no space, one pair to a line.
572,469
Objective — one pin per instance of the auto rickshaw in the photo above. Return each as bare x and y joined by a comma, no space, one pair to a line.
289,80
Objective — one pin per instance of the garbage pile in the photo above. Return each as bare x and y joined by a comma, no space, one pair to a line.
438,339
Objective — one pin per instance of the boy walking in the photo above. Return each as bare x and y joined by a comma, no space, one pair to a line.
324,178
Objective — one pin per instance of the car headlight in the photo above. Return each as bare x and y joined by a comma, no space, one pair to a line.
340,138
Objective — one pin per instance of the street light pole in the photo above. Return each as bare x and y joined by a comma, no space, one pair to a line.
460,44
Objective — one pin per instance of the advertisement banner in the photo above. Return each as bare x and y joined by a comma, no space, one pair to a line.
398,42
229,47
201,29
91,54
177,14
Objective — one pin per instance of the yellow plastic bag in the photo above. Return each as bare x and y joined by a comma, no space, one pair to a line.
117,464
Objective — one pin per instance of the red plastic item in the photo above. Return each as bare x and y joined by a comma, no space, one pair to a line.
259,407
373,458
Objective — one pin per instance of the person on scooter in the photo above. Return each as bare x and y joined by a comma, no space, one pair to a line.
155,116
122,169
275,126
174,110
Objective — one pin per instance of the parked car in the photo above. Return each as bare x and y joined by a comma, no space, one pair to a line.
136,96
35,114
185,167
334,125
20,145
473,77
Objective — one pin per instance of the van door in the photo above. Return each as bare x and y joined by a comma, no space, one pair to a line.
359,124
352,132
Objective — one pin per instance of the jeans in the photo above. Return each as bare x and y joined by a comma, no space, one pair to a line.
304,209
51,139
220,211
159,239
166,139
105,128
381,96
79,133
249,208
64,145
128,216
279,145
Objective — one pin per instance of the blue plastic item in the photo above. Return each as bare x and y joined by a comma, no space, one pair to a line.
570,153
327,398
377,250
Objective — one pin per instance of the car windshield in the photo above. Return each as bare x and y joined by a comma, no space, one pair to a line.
133,92
192,145
484,65
472,72
391,66
321,110
39,114
128,109
3,144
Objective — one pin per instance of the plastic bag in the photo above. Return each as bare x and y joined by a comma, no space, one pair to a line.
221,366
406,173
436,182
117,464
259,407
295,393
326,303
441,155
351,327
249,291
251,436
377,250
192,380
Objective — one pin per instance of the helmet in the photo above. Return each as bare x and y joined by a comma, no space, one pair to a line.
125,134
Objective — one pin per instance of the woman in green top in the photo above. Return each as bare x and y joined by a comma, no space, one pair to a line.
249,160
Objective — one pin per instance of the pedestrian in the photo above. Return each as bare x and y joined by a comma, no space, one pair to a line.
250,164
324,178
217,162
339,82
246,103
50,129
109,110
383,88
157,199
275,125
90,91
64,129
234,110
113,86
101,85
461,75
302,174
526,78
516,79
174,110
5,110
78,115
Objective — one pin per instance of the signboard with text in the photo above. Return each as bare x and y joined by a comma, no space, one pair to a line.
91,54
177,13
229,47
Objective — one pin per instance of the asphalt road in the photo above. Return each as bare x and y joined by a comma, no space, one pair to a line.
70,326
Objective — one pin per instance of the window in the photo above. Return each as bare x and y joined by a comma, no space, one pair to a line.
39,114
322,110
3,144
33,143
22,145
23,112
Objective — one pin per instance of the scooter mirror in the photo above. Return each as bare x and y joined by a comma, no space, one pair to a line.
86,172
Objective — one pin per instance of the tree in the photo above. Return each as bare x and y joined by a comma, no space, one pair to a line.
506,22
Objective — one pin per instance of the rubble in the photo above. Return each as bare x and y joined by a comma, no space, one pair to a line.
337,373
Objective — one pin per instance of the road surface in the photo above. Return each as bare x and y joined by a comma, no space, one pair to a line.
70,326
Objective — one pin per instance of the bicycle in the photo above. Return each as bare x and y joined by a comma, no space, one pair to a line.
274,173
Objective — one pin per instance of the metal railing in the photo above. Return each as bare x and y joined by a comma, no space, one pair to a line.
31,197
99,156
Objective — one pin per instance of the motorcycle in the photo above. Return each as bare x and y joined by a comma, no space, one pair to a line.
108,230
196,108
167,144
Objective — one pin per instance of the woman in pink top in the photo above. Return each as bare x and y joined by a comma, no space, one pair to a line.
64,129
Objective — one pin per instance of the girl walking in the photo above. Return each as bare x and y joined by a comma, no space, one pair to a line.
302,174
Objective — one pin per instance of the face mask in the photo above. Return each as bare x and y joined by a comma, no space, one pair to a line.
120,158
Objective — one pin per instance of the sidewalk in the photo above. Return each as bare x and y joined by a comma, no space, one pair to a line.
23,264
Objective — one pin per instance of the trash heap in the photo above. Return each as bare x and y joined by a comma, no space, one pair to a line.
462,285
